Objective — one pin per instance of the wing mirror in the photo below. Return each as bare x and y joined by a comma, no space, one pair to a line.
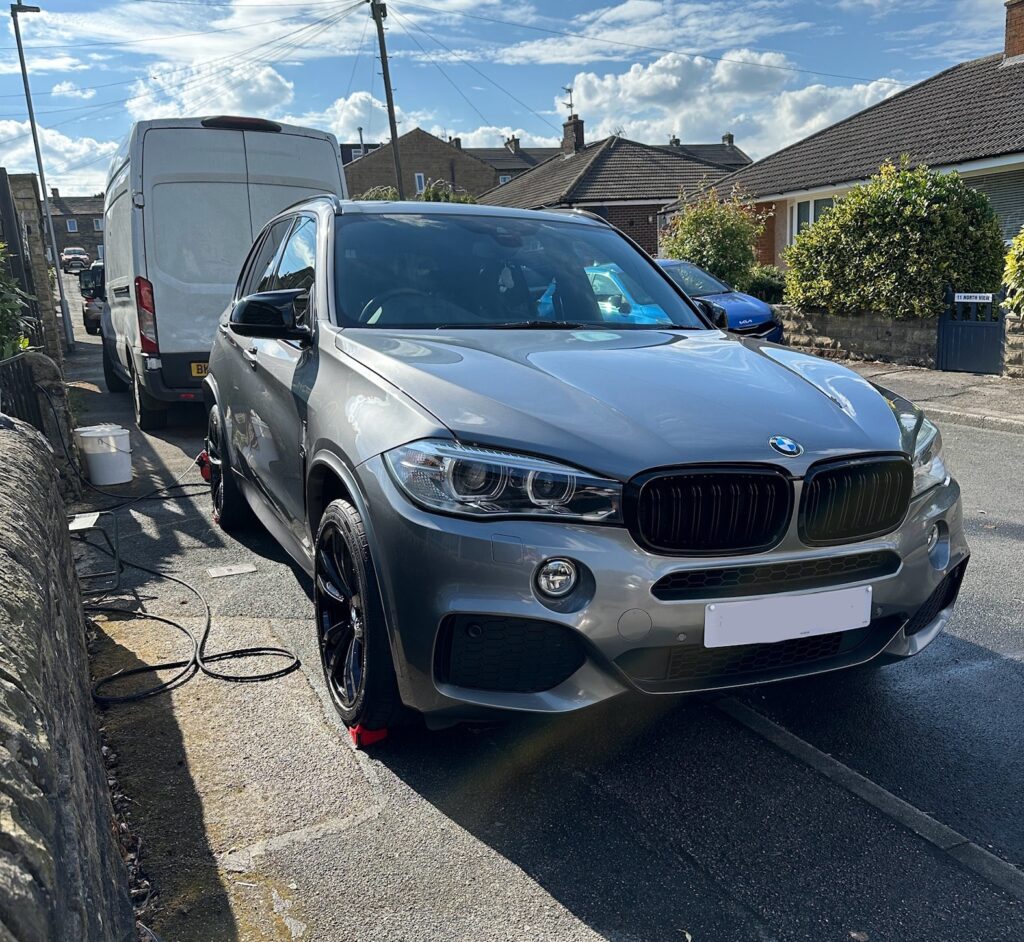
713,313
272,314
624,307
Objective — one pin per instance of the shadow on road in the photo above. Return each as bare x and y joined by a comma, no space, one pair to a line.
166,810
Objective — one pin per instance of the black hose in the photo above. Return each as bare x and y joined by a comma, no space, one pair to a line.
199,660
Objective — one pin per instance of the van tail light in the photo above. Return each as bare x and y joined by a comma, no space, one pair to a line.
146,310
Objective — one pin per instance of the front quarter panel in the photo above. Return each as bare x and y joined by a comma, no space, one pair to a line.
356,413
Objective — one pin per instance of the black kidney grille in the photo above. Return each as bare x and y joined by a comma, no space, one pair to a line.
801,574
711,511
855,500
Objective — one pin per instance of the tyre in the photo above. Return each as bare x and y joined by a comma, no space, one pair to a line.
92,329
354,648
231,512
150,414
111,377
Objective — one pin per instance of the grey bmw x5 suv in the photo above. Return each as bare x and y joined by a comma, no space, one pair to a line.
511,496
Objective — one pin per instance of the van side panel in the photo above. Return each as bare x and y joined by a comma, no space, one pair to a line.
285,168
119,264
197,234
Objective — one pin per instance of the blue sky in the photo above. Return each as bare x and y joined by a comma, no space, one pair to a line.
770,71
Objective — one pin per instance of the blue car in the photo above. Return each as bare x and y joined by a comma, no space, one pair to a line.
746,315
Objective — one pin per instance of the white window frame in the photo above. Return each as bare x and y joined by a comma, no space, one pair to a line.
421,183
97,224
812,214
99,251
504,178
72,225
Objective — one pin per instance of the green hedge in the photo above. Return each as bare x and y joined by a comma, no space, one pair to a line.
892,245
13,306
768,283
717,235
1013,277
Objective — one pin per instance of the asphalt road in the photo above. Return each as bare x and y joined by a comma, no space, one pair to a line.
635,822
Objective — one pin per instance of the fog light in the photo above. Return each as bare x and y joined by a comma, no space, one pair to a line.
556,578
938,545
933,538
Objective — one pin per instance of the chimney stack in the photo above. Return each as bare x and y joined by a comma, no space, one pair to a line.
456,142
572,135
728,139
673,141
1014,29
54,193
513,144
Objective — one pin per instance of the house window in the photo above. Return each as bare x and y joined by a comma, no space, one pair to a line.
72,225
504,178
97,225
806,212
421,182
99,251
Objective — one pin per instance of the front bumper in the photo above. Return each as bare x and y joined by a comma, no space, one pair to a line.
435,568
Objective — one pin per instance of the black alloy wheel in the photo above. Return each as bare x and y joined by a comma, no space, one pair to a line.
230,510
354,648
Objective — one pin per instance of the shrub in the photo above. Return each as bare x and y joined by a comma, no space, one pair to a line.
437,191
1013,279
717,235
892,245
768,283
13,324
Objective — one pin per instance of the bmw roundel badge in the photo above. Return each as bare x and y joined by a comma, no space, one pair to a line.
785,446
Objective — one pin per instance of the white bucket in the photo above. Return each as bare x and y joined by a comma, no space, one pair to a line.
108,453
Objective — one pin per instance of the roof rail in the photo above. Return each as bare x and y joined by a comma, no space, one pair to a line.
576,211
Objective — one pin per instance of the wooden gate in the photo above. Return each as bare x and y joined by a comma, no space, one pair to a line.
971,333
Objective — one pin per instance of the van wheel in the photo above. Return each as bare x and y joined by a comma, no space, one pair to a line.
231,512
354,647
149,413
110,375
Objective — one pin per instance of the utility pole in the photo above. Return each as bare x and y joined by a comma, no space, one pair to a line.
69,333
380,11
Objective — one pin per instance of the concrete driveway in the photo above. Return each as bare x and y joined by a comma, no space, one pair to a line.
867,806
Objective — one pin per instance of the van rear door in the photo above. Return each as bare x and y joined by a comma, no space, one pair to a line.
197,233
285,168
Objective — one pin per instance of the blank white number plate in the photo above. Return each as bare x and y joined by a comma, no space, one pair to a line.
782,617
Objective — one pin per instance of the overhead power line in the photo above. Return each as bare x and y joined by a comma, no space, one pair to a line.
660,49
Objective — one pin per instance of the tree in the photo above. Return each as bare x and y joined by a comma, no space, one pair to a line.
892,245
13,305
436,191
1013,277
717,235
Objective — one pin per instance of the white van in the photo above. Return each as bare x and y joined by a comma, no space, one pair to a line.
185,198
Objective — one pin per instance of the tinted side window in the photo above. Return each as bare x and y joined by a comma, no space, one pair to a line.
261,271
298,260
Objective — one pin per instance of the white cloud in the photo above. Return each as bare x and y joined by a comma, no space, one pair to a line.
344,116
43,64
168,91
71,90
77,165
699,99
490,136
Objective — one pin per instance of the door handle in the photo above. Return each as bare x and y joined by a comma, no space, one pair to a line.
250,355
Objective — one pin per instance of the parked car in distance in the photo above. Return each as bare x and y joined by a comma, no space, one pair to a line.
184,199
504,510
91,286
746,315
73,259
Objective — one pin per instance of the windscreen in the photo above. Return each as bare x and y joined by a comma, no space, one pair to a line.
406,270
694,281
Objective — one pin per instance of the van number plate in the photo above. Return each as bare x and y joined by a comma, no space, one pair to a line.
200,368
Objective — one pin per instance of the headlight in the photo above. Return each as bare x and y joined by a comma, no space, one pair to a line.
478,482
929,468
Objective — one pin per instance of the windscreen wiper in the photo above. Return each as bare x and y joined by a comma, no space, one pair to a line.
549,325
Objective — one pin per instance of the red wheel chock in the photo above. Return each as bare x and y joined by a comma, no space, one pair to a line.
363,737
204,465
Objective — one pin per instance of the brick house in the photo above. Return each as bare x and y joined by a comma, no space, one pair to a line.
426,157
968,119
78,220
626,182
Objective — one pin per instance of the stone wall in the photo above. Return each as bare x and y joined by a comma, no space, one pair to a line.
25,190
1013,356
61,875
864,337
